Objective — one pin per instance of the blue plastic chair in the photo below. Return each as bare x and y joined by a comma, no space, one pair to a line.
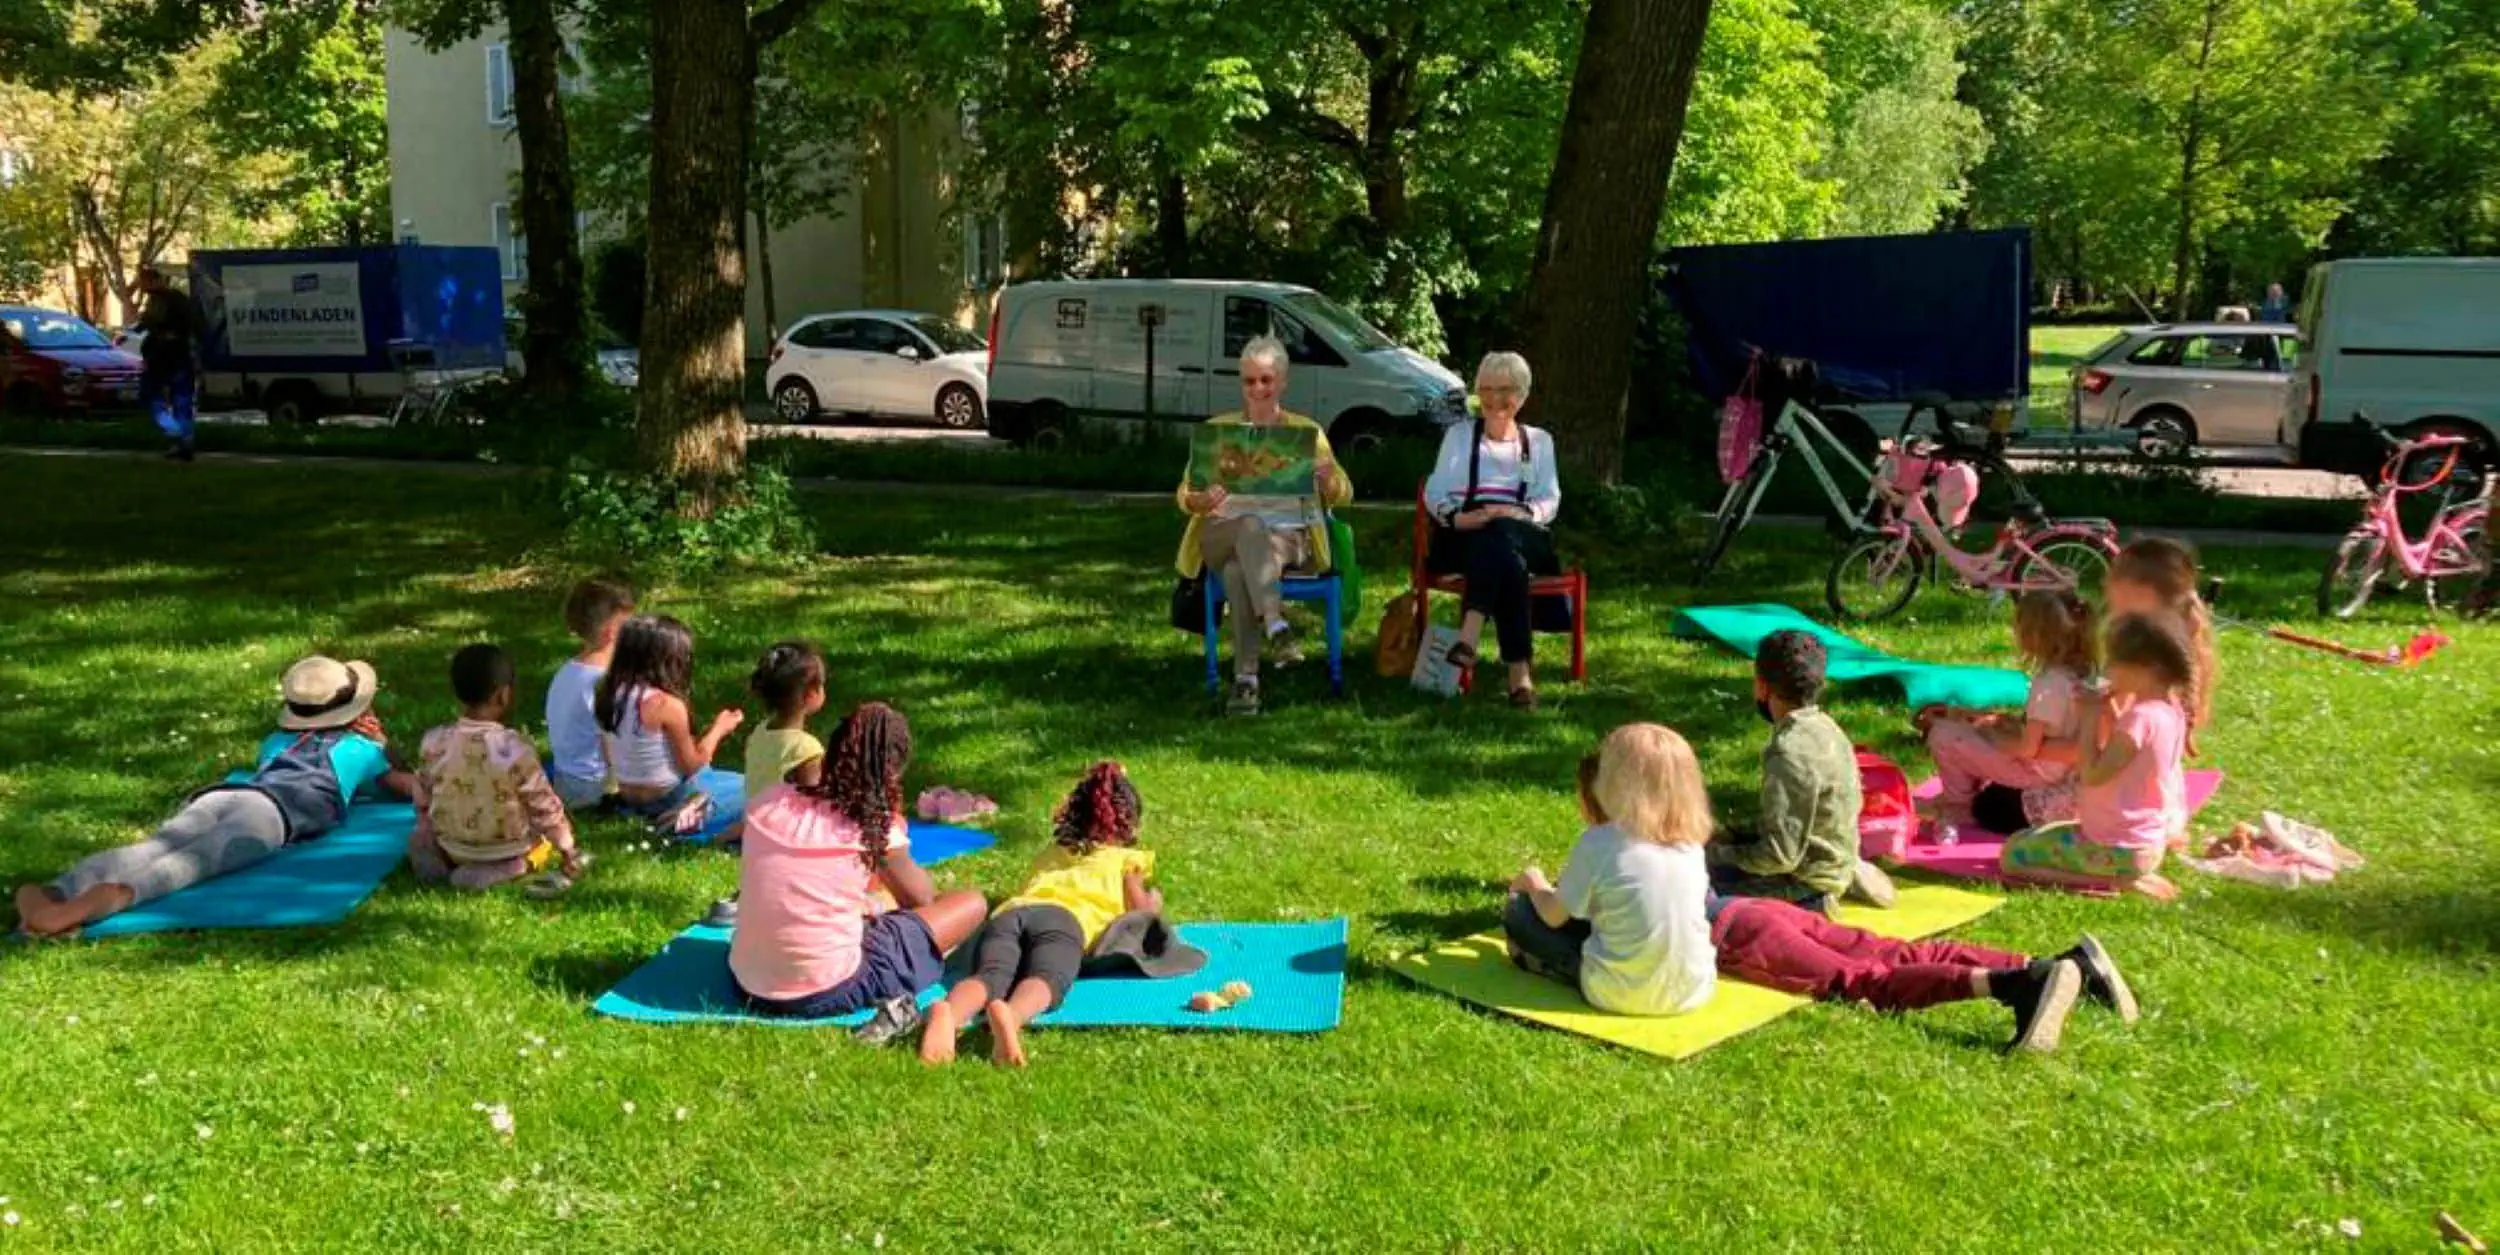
1327,590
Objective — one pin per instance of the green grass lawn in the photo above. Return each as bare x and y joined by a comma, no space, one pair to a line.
2307,1058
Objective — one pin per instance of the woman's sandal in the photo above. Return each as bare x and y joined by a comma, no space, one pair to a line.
1462,656
1523,698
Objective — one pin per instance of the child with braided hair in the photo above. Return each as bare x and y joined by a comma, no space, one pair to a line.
810,942
1090,877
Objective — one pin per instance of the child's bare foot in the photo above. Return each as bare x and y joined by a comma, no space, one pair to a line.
2156,886
937,1037
35,906
1006,1036
43,915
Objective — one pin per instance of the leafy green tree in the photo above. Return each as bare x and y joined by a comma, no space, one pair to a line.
306,86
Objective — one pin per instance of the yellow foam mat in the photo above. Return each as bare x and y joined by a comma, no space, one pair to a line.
1477,969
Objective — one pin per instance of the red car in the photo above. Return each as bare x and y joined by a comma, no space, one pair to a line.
52,362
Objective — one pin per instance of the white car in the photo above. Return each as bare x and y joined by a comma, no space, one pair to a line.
884,363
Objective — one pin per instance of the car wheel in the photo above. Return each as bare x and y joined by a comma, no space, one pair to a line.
293,404
1359,431
794,402
2164,434
2478,444
27,401
1049,426
958,407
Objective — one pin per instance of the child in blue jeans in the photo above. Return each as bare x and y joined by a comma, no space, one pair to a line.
329,749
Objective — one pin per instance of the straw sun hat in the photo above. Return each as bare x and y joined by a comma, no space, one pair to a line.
325,693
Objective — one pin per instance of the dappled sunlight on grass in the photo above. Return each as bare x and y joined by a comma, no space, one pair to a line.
2292,1050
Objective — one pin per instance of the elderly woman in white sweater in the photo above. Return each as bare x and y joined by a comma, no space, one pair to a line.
1494,494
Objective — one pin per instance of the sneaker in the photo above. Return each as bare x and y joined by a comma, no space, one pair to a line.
1284,649
2102,981
1870,885
2040,1017
552,883
895,1017
1245,699
724,913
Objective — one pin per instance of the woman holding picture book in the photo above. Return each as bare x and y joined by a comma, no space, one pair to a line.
1493,495
1251,539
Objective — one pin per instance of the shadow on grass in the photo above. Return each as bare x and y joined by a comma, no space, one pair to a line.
584,977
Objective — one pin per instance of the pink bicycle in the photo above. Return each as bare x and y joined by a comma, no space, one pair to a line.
1880,571
2450,558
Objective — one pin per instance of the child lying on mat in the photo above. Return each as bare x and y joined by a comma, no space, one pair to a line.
810,943
1805,846
595,611
1641,912
646,725
328,751
486,813
1086,897
2132,793
2033,756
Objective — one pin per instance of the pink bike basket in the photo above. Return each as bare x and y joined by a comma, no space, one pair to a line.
1887,819
1740,426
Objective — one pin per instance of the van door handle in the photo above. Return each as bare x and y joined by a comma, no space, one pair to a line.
1193,370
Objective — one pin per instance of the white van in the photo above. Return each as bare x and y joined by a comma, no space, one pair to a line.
2412,342
1067,349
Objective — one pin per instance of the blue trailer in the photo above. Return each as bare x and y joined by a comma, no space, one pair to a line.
300,332
1883,318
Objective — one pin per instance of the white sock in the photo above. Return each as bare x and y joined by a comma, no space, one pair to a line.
1278,627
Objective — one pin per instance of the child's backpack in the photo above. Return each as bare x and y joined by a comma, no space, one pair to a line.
1887,819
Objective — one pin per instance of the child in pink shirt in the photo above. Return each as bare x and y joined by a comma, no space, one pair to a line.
2133,782
2003,763
810,941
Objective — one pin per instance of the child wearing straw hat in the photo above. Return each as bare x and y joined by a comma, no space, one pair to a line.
329,748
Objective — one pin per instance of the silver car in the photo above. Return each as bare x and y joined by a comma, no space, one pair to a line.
2179,385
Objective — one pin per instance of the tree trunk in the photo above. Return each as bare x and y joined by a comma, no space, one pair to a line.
694,306
2191,142
764,270
555,336
1172,222
1590,277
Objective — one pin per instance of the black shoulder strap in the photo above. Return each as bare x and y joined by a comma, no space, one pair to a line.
1475,462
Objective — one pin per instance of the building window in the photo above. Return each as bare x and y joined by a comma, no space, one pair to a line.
498,85
510,245
985,251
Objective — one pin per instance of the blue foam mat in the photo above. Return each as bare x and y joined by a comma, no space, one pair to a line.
314,882
930,843
1296,974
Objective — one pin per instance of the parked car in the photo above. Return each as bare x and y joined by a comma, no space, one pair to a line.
2179,385
1073,348
2413,342
51,361
617,362
885,363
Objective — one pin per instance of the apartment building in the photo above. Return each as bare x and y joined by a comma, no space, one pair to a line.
897,241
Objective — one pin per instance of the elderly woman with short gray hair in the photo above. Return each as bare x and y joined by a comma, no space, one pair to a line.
1251,550
1493,494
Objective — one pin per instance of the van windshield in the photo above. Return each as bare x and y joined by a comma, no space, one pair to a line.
1342,324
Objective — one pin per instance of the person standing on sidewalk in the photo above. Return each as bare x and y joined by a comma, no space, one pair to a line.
169,356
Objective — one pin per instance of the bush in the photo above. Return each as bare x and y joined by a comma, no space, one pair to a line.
641,520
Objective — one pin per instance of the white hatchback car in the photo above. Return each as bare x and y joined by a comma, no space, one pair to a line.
884,363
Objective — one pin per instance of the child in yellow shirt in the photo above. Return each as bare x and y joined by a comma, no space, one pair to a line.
1030,952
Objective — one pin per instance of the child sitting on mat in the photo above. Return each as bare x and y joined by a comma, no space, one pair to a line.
790,680
2159,575
1804,848
485,811
2059,635
810,943
595,610
647,730
1629,924
1087,894
328,751
2132,786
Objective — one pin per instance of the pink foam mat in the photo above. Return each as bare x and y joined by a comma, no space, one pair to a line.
1978,854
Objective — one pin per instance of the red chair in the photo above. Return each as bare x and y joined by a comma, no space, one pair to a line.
1572,583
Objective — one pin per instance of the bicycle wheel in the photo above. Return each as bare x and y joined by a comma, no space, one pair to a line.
1875,577
2078,561
2352,574
2458,566
1735,510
